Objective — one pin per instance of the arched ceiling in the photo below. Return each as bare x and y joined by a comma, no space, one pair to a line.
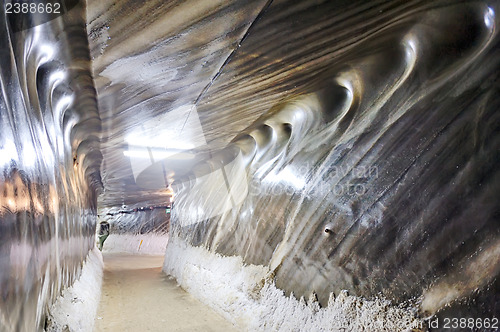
189,76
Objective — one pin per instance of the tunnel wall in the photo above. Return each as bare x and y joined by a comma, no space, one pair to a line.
49,162
142,230
136,221
380,178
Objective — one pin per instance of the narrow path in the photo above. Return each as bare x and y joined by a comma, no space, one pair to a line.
138,296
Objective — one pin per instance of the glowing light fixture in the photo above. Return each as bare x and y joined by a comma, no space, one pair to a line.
157,155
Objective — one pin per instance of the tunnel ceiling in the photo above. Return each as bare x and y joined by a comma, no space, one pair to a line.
155,66
191,75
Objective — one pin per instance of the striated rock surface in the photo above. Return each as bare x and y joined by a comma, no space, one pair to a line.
336,145
374,168
343,145
49,162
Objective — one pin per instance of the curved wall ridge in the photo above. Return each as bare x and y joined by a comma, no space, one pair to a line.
49,161
379,178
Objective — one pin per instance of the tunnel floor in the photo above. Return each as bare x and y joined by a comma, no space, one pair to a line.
138,296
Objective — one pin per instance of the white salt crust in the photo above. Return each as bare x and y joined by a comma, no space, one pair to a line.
75,310
147,244
246,296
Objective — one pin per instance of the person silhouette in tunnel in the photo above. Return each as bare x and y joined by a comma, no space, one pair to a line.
102,234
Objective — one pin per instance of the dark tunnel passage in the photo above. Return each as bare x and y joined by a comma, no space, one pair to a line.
271,165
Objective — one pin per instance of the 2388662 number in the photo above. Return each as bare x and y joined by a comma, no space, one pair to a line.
471,323
32,8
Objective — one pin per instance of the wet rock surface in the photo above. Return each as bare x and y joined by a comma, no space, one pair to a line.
49,164
343,145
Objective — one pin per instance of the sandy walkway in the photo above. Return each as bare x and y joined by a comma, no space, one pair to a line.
137,296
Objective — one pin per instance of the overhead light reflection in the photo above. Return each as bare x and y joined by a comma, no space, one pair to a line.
7,152
489,18
289,177
47,54
29,155
57,76
170,192
178,129
156,142
157,155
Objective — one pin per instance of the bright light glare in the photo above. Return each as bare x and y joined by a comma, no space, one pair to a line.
57,76
489,18
47,54
178,129
289,177
158,154
29,155
8,152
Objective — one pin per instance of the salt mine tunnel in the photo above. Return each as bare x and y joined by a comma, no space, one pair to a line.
287,165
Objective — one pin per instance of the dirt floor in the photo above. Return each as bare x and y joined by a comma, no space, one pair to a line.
138,296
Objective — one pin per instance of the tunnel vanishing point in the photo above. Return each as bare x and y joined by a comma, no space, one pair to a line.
316,165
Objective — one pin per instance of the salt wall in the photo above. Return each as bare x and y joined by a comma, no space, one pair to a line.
376,172
49,162
140,231
136,221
